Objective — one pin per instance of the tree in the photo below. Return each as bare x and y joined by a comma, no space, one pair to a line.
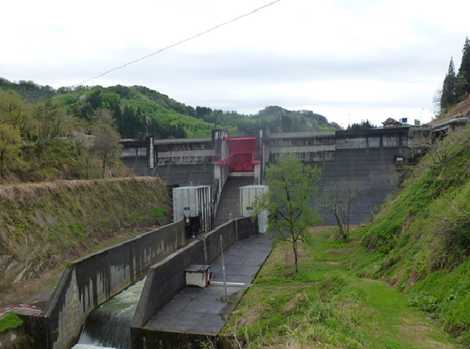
339,201
106,143
291,185
52,122
363,125
14,111
448,95
10,144
464,71
85,145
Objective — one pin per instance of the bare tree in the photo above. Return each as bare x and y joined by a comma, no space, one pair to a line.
339,202
106,144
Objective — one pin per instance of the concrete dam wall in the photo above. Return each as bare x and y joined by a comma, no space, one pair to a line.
92,280
366,163
178,161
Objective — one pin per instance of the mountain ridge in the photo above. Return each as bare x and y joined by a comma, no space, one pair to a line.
139,111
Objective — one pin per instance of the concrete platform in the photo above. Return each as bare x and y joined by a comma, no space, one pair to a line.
204,311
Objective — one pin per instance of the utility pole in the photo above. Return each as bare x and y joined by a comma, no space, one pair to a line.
223,265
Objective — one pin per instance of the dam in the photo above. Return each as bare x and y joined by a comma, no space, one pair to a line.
134,295
370,161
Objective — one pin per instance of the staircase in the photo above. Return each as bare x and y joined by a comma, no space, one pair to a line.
229,206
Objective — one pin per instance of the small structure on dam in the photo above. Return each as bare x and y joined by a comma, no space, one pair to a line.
249,195
194,206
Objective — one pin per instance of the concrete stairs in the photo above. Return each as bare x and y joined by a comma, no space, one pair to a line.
229,206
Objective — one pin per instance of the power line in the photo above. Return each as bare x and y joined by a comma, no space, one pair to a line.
180,42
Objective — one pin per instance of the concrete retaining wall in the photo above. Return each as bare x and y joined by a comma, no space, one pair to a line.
167,278
181,175
211,241
92,280
370,175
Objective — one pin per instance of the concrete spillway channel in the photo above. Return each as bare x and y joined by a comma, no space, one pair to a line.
109,326
195,315
162,312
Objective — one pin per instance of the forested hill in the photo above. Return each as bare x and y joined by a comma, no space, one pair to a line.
138,111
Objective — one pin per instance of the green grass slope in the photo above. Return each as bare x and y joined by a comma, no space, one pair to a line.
327,305
420,241
44,225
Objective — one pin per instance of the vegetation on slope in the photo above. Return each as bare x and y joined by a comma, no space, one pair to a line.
139,111
369,292
420,241
9,321
42,225
28,89
456,86
326,305
460,109
42,141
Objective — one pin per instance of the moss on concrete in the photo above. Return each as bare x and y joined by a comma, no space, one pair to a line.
9,321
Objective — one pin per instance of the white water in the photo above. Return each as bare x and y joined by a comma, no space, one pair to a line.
86,346
108,327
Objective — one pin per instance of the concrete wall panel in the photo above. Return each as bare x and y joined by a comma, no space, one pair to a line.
92,280
167,277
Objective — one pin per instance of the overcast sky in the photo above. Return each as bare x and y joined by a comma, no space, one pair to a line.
348,60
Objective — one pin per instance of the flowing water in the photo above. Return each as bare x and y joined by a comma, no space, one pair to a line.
89,346
109,326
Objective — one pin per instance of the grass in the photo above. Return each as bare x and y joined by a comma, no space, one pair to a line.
420,240
326,305
9,321
44,225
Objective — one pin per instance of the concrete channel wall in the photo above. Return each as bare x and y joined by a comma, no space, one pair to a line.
92,280
167,277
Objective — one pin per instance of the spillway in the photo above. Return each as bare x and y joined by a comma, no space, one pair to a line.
109,325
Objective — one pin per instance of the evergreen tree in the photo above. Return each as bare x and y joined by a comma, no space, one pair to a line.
448,96
463,83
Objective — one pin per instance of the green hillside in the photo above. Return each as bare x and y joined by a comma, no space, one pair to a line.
420,241
44,225
140,111
28,89
137,111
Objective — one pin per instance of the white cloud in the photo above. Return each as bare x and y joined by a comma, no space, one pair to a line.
348,60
